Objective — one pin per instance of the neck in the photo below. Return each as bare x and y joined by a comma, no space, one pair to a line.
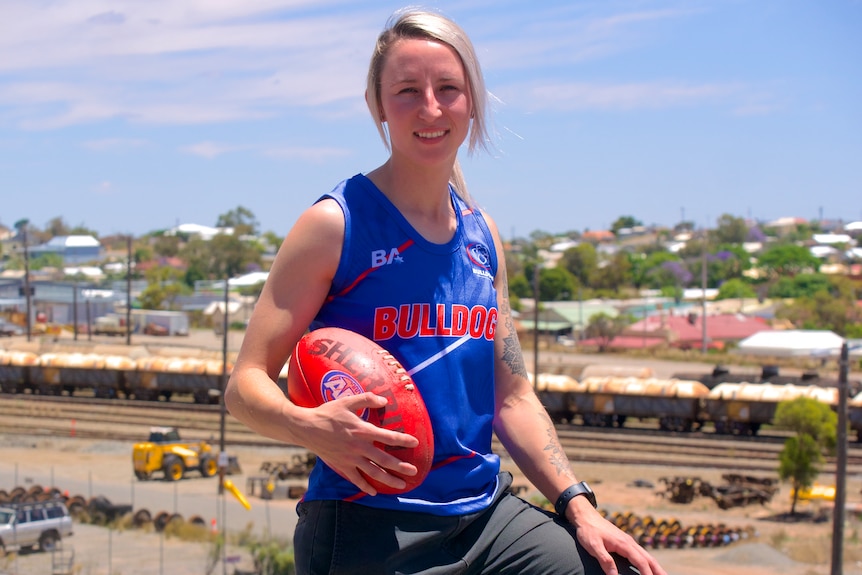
422,197
415,189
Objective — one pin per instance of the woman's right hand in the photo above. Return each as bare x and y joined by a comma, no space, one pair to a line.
351,446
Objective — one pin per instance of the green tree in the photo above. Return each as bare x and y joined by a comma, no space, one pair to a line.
615,274
232,255
166,246
625,222
729,230
604,328
520,286
788,260
164,284
556,284
46,260
57,227
735,288
823,310
814,425
241,219
582,261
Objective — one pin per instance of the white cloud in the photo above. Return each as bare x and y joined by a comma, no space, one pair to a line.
310,154
104,188
167,62
650,95
209,150
113,144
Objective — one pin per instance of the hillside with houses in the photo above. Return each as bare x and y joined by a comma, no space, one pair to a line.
628,287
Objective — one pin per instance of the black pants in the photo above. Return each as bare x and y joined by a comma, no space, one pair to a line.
511,536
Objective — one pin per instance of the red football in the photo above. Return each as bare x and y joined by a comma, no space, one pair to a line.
329,363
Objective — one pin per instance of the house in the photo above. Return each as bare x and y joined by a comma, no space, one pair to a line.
73,249
687,331
204,232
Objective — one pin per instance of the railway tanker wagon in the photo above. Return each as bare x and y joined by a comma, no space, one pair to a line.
609,401
742,408
104,375
553,391
157,377
15,370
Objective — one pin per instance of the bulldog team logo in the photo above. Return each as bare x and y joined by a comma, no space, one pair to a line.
480,257
338,384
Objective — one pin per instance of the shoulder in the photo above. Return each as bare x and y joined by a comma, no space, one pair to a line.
324,218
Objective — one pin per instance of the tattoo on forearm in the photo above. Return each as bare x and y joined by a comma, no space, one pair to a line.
556,454
512,355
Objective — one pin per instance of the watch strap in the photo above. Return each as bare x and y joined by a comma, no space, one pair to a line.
573,491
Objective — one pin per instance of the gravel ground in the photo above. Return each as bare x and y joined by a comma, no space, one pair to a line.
91,468
104,468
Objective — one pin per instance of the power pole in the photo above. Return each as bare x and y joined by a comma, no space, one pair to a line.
840,466
536,328
129,290
703,297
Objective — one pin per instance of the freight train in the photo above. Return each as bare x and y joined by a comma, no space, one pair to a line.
148,378
678,404
603,396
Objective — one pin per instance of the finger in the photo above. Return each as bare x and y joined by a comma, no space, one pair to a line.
394,438
391,463
609,566
377,473
353,475
364,400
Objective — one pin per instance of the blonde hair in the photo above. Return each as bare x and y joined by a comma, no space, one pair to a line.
420,24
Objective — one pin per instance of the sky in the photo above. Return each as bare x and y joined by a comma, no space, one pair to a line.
131,116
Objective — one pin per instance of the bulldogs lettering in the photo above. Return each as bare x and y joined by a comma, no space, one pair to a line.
417,320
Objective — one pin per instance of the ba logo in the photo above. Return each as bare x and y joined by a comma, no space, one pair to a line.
479,255
337,384
385,258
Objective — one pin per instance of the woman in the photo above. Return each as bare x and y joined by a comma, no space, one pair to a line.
376,256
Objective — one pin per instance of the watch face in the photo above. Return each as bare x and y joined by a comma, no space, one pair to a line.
588,492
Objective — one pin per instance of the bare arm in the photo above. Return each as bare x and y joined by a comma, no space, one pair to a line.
298,284
525,429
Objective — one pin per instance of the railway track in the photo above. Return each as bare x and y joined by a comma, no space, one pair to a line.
122,420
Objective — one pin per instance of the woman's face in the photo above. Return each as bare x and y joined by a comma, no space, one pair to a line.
425,100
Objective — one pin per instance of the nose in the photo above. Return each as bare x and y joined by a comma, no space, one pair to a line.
429,106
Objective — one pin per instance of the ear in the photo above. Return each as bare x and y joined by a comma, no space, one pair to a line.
379,108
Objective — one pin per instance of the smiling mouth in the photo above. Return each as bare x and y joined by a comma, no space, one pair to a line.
431,135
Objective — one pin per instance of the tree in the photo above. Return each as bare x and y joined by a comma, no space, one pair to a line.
241,219
625,222
615,274
582,261
166,246
815,427
788,260
823,310
735,288
556,284
164,284
520,286
730,230
604,328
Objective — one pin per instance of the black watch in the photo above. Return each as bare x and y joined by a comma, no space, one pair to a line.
581,488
